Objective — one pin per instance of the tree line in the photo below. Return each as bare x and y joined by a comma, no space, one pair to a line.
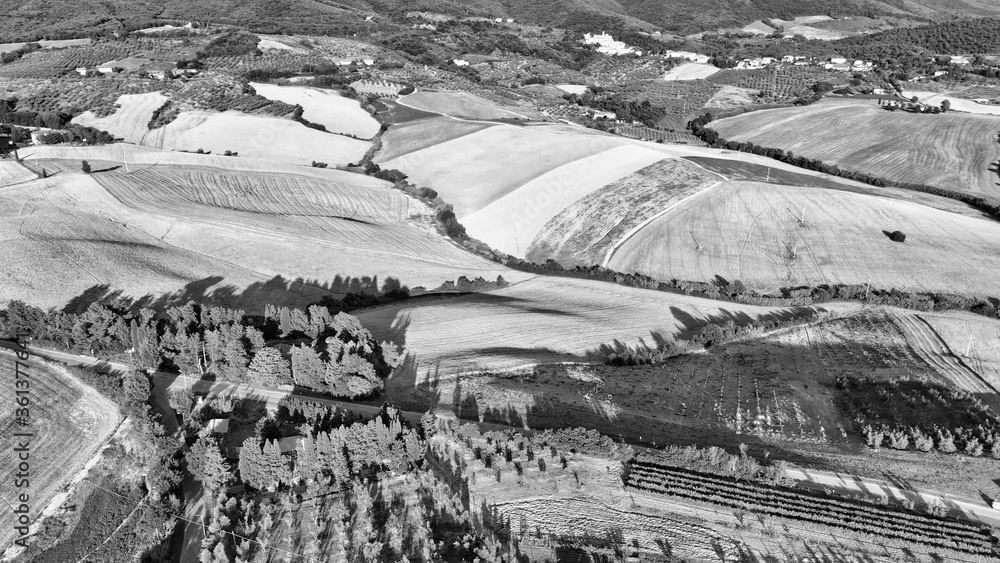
333,354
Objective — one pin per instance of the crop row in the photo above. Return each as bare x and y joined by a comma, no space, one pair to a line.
786,503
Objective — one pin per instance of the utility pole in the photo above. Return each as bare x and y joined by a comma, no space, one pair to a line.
867,288
768,174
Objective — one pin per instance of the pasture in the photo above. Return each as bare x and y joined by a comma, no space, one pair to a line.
754,232
325,107
69,420
952,151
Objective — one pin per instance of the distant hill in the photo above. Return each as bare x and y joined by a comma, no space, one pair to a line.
56,19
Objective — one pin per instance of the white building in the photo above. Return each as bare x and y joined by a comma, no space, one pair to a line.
599,114
608,46
460,62
960,60
838,60
687,56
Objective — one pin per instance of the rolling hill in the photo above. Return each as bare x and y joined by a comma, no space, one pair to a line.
240,235
36,19
953,150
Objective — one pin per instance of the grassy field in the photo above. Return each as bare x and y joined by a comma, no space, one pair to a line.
325,107
512,221
238,237
462,104
752,231
950,150
69,421
583,232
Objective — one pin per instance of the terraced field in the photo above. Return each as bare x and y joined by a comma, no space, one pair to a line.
752,231
951,150
69,422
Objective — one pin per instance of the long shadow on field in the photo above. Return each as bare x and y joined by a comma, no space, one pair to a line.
211,291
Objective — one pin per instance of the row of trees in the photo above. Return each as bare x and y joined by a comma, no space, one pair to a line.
343,358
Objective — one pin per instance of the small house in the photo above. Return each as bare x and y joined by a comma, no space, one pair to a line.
460,62
599,114
218,425
838,60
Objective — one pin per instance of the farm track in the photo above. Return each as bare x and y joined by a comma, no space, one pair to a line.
929,346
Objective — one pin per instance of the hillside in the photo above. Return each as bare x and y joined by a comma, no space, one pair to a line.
240,236
61,19
955,151
752,232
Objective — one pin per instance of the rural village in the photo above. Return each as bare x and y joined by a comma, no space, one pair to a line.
500,281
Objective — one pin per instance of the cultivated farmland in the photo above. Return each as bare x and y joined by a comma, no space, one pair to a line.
691,71
227,234
131,120
773,236
12,172
70,421
412,136
949,150
476,169
325,107
582,233
542,320
254,136
510,222
462,104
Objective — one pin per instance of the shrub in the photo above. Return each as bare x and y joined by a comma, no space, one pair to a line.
85,166
897,236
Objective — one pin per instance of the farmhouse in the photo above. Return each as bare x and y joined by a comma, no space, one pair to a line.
460,62
838,60
960,60
600,114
